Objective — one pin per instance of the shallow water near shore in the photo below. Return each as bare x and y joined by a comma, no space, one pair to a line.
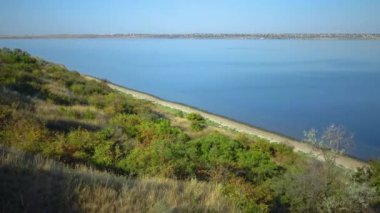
286,86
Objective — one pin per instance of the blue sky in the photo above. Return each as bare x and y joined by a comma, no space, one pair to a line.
188,16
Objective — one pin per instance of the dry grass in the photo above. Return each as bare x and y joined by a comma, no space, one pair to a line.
35,184
87,115
58,89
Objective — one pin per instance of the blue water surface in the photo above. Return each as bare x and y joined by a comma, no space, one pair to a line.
286,86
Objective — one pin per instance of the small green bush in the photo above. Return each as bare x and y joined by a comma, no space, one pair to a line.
198,123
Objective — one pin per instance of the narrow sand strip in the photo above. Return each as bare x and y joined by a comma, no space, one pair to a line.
344,161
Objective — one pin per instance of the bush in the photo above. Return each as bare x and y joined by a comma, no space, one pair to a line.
374,175
243,195
149,131
258,165
194,117
214,149
103,154
198,123
197,126
162,158
127,123
26,134
80,144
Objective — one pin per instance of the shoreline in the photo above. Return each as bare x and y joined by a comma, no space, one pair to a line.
342,160
243,36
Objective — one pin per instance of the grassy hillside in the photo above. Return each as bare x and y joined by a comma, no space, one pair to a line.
164,160
34,183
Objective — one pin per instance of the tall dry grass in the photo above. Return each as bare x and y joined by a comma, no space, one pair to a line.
36,184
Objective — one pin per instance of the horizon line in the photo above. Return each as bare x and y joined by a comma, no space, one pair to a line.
197,33
243,36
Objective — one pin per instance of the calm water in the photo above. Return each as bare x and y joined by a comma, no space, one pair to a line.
284,86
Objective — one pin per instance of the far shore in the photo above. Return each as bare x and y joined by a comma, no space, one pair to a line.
342,160
254,36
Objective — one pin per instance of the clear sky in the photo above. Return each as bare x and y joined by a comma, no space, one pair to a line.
188,16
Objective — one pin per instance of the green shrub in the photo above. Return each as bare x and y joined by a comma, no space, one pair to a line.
258,165
26,133
127,123
375,175
103,154
243,195
215,149
162,158
194,117
149,131
198,123
197,126
80,144
174,158
16,56
55,148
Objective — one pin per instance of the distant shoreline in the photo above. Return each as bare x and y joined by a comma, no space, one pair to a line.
342,160
256,36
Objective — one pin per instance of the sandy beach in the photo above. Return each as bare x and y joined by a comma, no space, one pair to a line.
343,161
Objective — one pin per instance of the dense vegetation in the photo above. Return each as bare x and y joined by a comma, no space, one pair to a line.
52,112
